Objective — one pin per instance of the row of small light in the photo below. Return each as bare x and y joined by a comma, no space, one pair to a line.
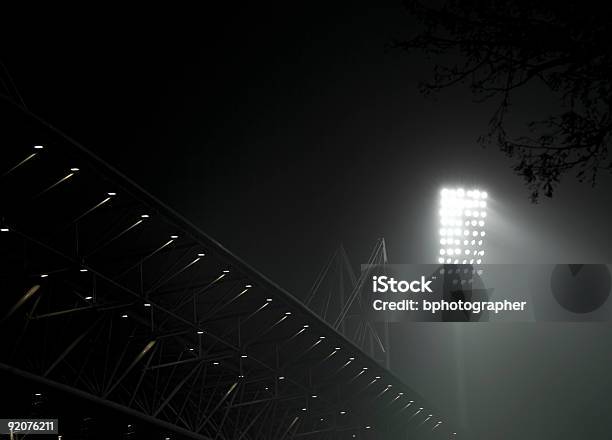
199,255
147,304
284,316
444,212
142,218
363,370
281,377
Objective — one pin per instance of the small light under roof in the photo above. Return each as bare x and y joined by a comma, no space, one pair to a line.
38,147
74,169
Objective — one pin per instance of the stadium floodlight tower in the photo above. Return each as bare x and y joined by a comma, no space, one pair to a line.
462,226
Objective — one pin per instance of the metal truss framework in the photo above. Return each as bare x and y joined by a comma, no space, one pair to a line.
335,296
115,298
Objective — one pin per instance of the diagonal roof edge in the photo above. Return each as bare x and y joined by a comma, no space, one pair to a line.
211,244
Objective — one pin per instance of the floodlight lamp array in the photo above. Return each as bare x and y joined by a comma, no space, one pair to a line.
462,226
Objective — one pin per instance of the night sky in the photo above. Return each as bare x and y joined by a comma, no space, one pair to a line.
283,132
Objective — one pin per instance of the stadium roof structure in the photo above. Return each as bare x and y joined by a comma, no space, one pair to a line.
115,298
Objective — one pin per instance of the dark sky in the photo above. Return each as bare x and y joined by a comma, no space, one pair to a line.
282,132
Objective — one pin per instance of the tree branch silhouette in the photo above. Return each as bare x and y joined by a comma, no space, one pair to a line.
500,46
